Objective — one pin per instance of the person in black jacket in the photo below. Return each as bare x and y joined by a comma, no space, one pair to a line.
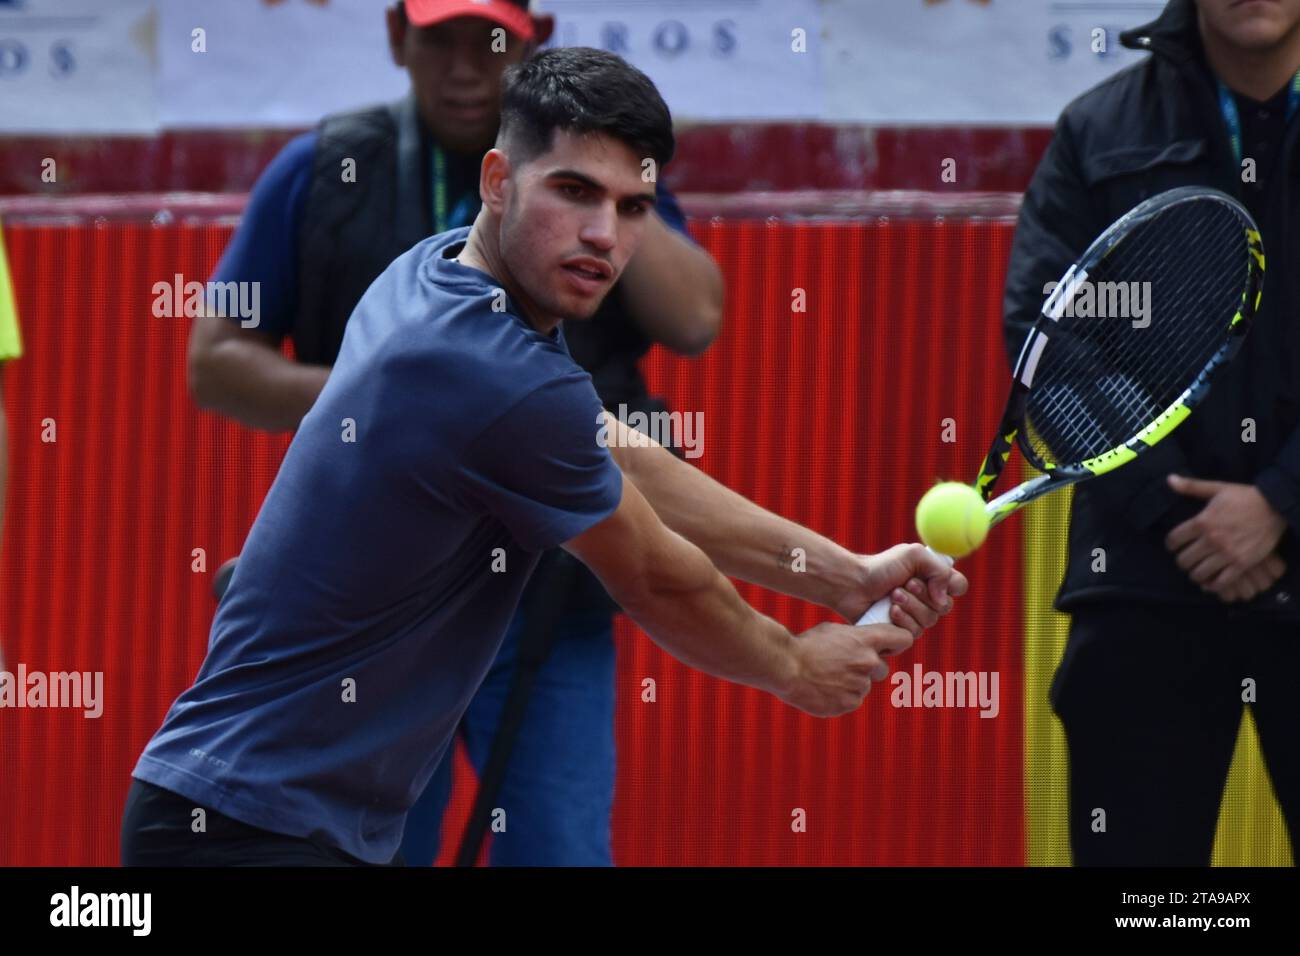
334,208
1183,576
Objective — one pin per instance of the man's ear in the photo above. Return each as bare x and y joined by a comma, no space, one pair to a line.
543,27
397,25
492,178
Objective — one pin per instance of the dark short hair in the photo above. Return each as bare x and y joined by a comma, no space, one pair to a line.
583,90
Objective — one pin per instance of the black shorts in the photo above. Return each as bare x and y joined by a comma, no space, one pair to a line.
157,830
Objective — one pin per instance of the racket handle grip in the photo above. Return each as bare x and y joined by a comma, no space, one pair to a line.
878,613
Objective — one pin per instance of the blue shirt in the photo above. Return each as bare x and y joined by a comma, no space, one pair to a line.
451,444
264,248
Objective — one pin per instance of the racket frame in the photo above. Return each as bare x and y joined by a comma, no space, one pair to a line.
1011,431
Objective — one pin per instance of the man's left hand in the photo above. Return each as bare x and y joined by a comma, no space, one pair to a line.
920,584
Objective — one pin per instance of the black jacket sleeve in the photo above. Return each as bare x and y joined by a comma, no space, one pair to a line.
1058,219
1280,482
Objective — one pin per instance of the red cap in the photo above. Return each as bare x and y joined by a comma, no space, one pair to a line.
512,16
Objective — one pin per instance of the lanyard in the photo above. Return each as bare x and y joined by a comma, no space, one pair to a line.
464,212
1228,104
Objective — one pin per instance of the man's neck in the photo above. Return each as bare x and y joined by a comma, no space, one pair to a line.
1259,74
482,253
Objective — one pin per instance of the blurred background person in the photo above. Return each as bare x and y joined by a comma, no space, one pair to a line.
1197,591
314,238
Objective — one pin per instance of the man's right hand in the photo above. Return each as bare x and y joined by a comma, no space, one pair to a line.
1254,581
836,663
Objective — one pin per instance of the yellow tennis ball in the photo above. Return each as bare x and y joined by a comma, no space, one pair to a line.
951,519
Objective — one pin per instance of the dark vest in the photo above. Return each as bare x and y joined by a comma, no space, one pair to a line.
351,231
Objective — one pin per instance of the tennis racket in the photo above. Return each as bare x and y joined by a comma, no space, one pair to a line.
1091,390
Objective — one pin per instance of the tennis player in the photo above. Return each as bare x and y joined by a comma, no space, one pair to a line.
454,440
539,733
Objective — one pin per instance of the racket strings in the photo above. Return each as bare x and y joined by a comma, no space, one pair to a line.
1218,284
1103,377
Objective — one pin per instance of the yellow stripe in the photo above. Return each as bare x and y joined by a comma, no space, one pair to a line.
1255,243
1167,422
1251,831
1256,246
1110,460
1156,431
11,340
1047,837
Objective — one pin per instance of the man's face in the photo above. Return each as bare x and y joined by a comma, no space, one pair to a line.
456,76
572,218
1251,24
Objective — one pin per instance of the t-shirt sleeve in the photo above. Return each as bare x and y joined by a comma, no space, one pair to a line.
264,248
540,469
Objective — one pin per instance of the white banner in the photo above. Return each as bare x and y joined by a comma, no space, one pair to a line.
77,66
1011,62
711,59
289,62
112,65
272,62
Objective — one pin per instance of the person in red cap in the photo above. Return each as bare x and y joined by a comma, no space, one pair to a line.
326,218
511,14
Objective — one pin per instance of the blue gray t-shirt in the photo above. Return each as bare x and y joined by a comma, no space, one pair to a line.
452,443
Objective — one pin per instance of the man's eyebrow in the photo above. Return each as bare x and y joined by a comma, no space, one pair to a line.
593,184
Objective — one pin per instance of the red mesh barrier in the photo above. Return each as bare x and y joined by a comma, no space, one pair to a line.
833,416
759,156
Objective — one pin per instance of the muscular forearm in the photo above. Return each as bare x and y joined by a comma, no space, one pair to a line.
672,588
255,385
742,539
672,289
695,614
673,591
